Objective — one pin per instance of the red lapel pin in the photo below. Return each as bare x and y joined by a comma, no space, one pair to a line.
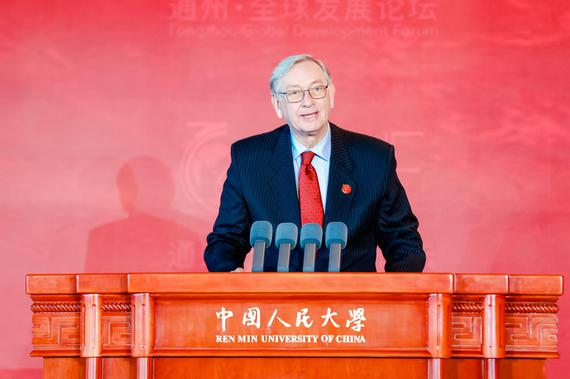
346,189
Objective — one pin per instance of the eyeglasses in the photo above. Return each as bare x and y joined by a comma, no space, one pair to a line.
297,95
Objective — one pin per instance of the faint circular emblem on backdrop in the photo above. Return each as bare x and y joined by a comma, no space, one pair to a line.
204,164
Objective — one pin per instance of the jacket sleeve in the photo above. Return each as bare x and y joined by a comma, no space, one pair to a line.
397,228
228,243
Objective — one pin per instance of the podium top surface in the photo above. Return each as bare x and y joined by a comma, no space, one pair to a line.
295,283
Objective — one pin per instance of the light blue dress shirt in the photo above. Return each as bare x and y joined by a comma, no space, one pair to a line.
321,162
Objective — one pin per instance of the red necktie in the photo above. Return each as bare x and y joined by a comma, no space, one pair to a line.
309,192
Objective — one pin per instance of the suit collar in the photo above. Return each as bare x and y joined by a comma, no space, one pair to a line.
339,153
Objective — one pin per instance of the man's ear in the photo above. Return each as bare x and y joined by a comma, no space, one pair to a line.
275,102
332,91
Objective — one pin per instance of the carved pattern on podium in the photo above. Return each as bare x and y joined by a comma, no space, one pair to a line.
116,332
531,332
467,326
116,325
468,306
117,306
55,331
50,307
55,324
531,308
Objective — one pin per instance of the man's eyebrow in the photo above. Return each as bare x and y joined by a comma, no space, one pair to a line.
293,86
310,85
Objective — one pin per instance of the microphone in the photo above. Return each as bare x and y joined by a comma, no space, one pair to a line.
311,239
285,240
260,237
335,240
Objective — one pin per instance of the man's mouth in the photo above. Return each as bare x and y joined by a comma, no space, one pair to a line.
310,116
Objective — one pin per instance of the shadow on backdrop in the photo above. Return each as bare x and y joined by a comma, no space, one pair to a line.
154,236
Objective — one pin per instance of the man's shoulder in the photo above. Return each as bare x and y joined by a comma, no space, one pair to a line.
264,142
361,142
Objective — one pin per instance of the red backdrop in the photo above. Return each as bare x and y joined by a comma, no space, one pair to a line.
117,116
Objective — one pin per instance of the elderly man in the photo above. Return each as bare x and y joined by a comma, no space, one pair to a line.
310,170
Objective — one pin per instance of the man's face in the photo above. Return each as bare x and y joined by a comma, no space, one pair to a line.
308,118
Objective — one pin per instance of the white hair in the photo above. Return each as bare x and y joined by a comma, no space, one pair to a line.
286,64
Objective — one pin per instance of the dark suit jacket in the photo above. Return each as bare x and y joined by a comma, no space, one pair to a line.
260,185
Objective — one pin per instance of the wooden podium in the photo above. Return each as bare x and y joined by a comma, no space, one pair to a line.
294,325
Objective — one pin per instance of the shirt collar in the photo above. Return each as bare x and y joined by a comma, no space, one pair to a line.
322,149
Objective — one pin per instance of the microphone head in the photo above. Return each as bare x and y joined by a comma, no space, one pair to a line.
336,232
286,232
261,231
311,233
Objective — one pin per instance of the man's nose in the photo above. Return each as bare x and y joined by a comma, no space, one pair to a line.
307,100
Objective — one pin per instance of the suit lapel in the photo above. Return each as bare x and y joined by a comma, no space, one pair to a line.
338,201
282,182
